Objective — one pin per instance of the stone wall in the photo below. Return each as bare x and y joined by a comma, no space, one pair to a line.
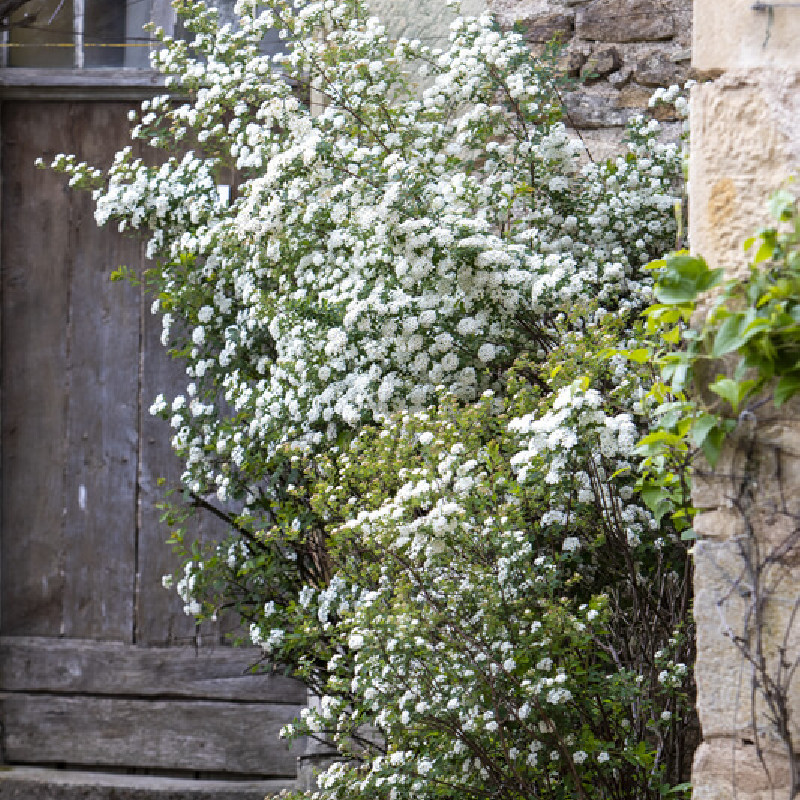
621,49
426,20
745,143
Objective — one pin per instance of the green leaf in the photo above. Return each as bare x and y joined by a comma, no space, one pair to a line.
658,500
781,205
638,356
672,336
734,333
659,437
678,789
764,252
788,385
701,428
683,278
712,445
732,391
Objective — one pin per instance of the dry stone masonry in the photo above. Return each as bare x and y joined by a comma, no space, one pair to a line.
745,143
621,50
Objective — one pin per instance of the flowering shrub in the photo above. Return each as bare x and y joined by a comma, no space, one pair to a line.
401,334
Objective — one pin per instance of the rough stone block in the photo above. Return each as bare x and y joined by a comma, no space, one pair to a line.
622,76
571,62
718,487
588,111
759,469
744,146
720,524
733,35
634,96
550,26
729,770
601,63
724,600
418,18
657,69
625,21
602,143
510,11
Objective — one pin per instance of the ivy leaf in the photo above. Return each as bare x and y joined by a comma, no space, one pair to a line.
787,386
781,205
683,278
736,331
732,391
701,427
712,445
638,356
765,251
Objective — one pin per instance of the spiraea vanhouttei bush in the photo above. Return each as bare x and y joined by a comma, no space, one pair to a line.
402,332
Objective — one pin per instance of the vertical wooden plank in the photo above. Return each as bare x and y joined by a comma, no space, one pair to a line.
36,265
70,387
90,549
103,406
160,619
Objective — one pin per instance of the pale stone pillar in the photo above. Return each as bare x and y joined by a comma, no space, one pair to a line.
745,129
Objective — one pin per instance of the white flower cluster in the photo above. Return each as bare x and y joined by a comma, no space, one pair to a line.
368,257
388,261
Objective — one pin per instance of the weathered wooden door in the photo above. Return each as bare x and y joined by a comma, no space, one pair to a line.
99,667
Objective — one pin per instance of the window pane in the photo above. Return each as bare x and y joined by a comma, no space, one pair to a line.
270,45
139,41
104,40
48,40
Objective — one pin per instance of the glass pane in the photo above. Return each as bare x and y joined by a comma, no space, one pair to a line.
138,41
104,41
47,41
270,45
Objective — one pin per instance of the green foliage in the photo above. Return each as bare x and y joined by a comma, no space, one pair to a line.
415,383
749,339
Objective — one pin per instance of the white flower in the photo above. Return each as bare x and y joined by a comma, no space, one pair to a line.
487,352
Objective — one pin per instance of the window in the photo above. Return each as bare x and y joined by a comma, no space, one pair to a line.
86,34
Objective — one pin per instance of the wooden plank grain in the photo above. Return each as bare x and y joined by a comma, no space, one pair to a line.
180,735
89,667
160,619
36,264
102,409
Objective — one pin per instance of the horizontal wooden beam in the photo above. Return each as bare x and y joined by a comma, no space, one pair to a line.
22,83
77,666
59,784
155,734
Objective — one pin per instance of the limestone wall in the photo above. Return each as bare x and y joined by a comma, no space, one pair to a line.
427,20
623,49
745,142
